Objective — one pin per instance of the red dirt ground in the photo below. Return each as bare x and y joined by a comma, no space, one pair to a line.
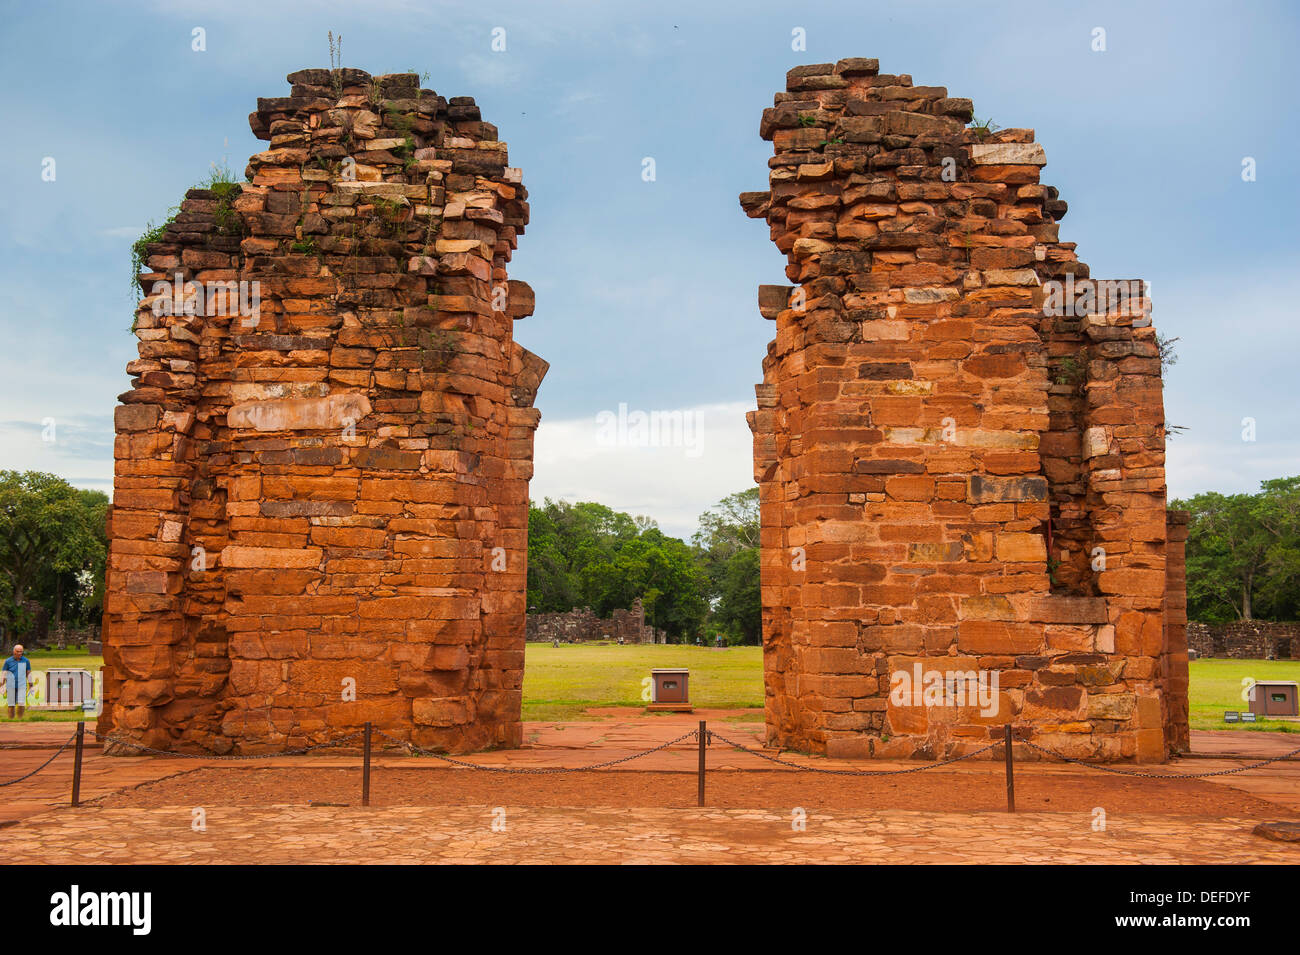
932,791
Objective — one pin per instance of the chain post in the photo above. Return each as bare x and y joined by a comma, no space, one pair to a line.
76,765
704,742
365,769
1011,772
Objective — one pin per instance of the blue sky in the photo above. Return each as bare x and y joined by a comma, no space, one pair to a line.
646,290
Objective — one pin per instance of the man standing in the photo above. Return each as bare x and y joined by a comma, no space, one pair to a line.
16,671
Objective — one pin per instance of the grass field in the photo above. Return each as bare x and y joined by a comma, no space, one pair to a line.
560,683
1216,686
46,659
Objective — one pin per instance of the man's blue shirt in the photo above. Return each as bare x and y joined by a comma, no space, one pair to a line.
11,666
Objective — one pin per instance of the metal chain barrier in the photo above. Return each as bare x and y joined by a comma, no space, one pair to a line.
66,743
852,772
703,736
162,752
1146,775
534,771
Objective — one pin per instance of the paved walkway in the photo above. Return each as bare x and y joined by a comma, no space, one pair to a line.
568,745
464,834
52,832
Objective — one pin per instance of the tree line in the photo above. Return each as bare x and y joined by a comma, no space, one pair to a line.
53,551
1243,554
54,548
589,555
1243,559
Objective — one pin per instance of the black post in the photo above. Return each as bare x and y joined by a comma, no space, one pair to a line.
76,765
365,769
1011,773
704,735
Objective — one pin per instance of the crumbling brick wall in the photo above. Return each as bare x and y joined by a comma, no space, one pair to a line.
320,511
581,624
960,453
1246,639
1173,663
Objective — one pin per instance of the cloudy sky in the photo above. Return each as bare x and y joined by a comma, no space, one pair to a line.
646,290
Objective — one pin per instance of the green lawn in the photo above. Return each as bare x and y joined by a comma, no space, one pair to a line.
560,682
45,660
1216,686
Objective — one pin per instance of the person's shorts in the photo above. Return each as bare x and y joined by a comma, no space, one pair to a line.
15,692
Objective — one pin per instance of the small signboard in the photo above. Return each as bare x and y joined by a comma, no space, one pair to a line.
670,690
1274,698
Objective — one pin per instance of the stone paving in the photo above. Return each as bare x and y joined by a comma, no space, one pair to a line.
52,832
404,835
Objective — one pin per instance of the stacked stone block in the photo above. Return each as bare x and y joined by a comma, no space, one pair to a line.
320,512
1246,639
1174,661
581,624
952,474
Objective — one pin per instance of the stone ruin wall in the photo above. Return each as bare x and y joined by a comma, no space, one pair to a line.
340,490
928,438
1246,639
581,625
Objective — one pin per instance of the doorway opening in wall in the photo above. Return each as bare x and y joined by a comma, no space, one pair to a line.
613,597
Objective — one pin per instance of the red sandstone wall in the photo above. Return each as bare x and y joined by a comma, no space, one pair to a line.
1174,662
925,428
338,492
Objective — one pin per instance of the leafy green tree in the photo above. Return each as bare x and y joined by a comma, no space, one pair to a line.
740,604
51,534
727,549
587,554
551,588
663,572
1278,595
730,525
1243,553
74,592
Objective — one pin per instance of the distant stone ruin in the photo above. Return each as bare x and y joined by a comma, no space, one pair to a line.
320,507
1246,639
581,625
960,445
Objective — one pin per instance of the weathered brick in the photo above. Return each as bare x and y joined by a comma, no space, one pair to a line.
989,442
320,500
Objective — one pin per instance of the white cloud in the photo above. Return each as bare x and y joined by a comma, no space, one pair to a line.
81,449
483,70
673,485
576,100
1227,467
